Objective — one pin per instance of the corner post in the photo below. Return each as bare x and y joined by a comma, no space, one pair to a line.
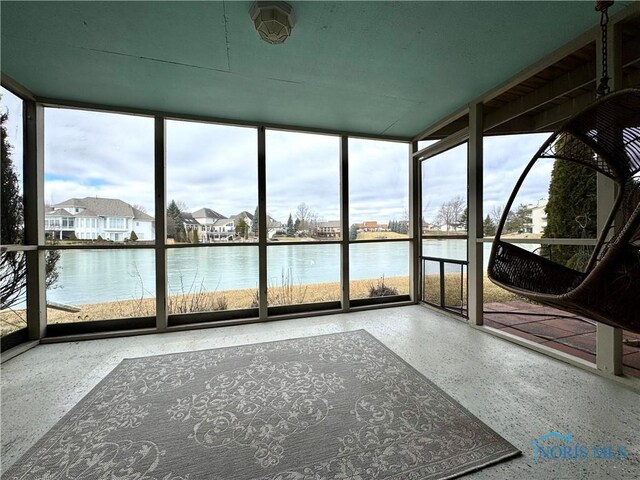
609,339
34,219
162,307
344,223
262,225
415,223
475,271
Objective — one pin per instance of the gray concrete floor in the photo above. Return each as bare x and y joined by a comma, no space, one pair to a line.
519,393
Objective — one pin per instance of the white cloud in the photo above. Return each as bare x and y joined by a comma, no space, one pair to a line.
215,166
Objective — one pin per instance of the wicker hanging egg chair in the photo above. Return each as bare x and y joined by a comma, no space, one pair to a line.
605,137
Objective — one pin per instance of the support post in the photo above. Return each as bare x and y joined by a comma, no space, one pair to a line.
344,223
609,339
415,223
33,198
262,224
162,310
475,271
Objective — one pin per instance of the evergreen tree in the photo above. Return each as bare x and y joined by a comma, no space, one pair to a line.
133,237
517,221
242,228
175,223
463,221
353,232
290,228
13,267
255,225
489,227
296,225
572,207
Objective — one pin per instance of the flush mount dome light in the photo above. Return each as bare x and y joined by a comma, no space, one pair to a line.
273,21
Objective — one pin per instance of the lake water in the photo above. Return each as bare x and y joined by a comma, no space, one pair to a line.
92,276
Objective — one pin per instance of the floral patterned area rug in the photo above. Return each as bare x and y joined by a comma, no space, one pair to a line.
339,406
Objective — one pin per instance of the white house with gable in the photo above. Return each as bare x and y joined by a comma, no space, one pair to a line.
92,217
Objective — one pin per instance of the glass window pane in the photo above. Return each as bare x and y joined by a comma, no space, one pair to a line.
13,286
210,279
378,189
212,183
303,186
102,285
13,314
98,167
299,274
444,193
12,165
379,269
426,143
505,158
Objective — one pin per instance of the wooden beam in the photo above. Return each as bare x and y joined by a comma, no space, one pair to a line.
632,79
443,123
631,52
567,83
544,120
521,124
443,145
592,34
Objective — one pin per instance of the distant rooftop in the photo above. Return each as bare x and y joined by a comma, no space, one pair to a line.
99,207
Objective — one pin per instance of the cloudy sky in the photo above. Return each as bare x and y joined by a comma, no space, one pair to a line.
214,166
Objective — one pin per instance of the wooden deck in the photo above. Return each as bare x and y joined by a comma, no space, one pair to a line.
562,331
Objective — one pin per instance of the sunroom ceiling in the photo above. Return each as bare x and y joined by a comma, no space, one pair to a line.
375,68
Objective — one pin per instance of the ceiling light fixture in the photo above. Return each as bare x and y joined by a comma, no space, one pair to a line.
272,20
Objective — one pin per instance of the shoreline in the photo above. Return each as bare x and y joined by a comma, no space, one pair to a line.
206,301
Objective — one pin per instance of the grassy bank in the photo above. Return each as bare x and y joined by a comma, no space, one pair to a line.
204,302
247,298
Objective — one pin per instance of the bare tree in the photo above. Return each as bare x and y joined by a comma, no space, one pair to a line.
496,213
313,221
450,212
444,217
140,207
182,206
303,213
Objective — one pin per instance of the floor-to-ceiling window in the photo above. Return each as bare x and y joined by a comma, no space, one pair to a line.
101,185
303,219
99,219
444,222
212,225
378,219
13,264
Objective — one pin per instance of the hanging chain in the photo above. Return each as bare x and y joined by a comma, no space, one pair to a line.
602,7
